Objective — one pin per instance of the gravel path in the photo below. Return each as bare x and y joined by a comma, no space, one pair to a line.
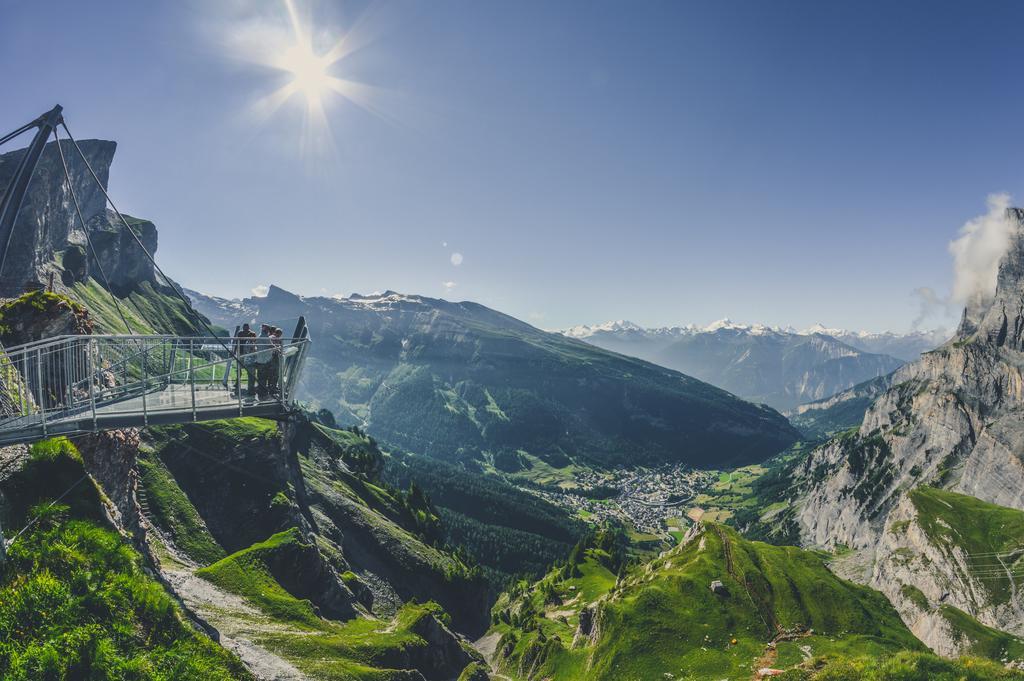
237,622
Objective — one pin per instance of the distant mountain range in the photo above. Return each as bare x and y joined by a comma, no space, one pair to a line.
781,367
465,382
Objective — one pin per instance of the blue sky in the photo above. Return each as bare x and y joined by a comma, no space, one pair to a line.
664,162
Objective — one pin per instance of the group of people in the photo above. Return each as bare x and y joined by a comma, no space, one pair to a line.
259,356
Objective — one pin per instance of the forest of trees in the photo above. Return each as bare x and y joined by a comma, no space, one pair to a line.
503,529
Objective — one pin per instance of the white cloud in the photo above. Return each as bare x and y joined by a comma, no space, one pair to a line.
260,291
444,244
456,259
448,285
977,251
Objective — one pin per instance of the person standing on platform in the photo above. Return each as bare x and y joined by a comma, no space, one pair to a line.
244,342
263,360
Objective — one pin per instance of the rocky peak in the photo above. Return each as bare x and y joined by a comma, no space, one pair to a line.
999,321
48,239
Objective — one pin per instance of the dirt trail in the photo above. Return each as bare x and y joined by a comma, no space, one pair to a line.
767,660
488,647
237,622
771,651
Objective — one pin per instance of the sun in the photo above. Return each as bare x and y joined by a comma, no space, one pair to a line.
309,72
308,57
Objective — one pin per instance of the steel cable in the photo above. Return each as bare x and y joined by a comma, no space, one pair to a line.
88,238
173,286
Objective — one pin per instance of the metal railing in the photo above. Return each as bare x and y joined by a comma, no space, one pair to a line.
75,383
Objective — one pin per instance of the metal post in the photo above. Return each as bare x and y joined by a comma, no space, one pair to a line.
238,384
23,385
174,355
18,376
192,378
145,383
92,380
39,388
280,375
67,375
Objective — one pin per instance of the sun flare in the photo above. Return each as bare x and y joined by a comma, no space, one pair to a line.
309,72
309,57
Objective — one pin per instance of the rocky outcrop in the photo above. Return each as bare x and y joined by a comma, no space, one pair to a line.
443,656
38,315
110,458
48,244
47,225
477,671
588,631
119,254
300,568
949,420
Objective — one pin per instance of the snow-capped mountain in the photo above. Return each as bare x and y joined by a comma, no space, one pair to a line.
780,366
905,346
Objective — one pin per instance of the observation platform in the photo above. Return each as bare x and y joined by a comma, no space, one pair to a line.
78,384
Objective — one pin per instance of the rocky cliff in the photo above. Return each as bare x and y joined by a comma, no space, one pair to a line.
48,238
49,247
948,428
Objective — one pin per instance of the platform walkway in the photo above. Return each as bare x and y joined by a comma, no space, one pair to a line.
77,384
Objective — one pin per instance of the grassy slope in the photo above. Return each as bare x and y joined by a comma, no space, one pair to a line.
172,511
955,522
903,666
246,574
330,650
147,309
359,649
74,601
665,618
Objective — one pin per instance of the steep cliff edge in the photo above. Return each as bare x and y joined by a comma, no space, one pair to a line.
951,421
49,246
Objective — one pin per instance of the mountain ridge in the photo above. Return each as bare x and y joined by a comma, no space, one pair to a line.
878,342
779,366
465,382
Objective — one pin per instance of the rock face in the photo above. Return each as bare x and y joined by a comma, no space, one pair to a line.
48,239
47,224
950,420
